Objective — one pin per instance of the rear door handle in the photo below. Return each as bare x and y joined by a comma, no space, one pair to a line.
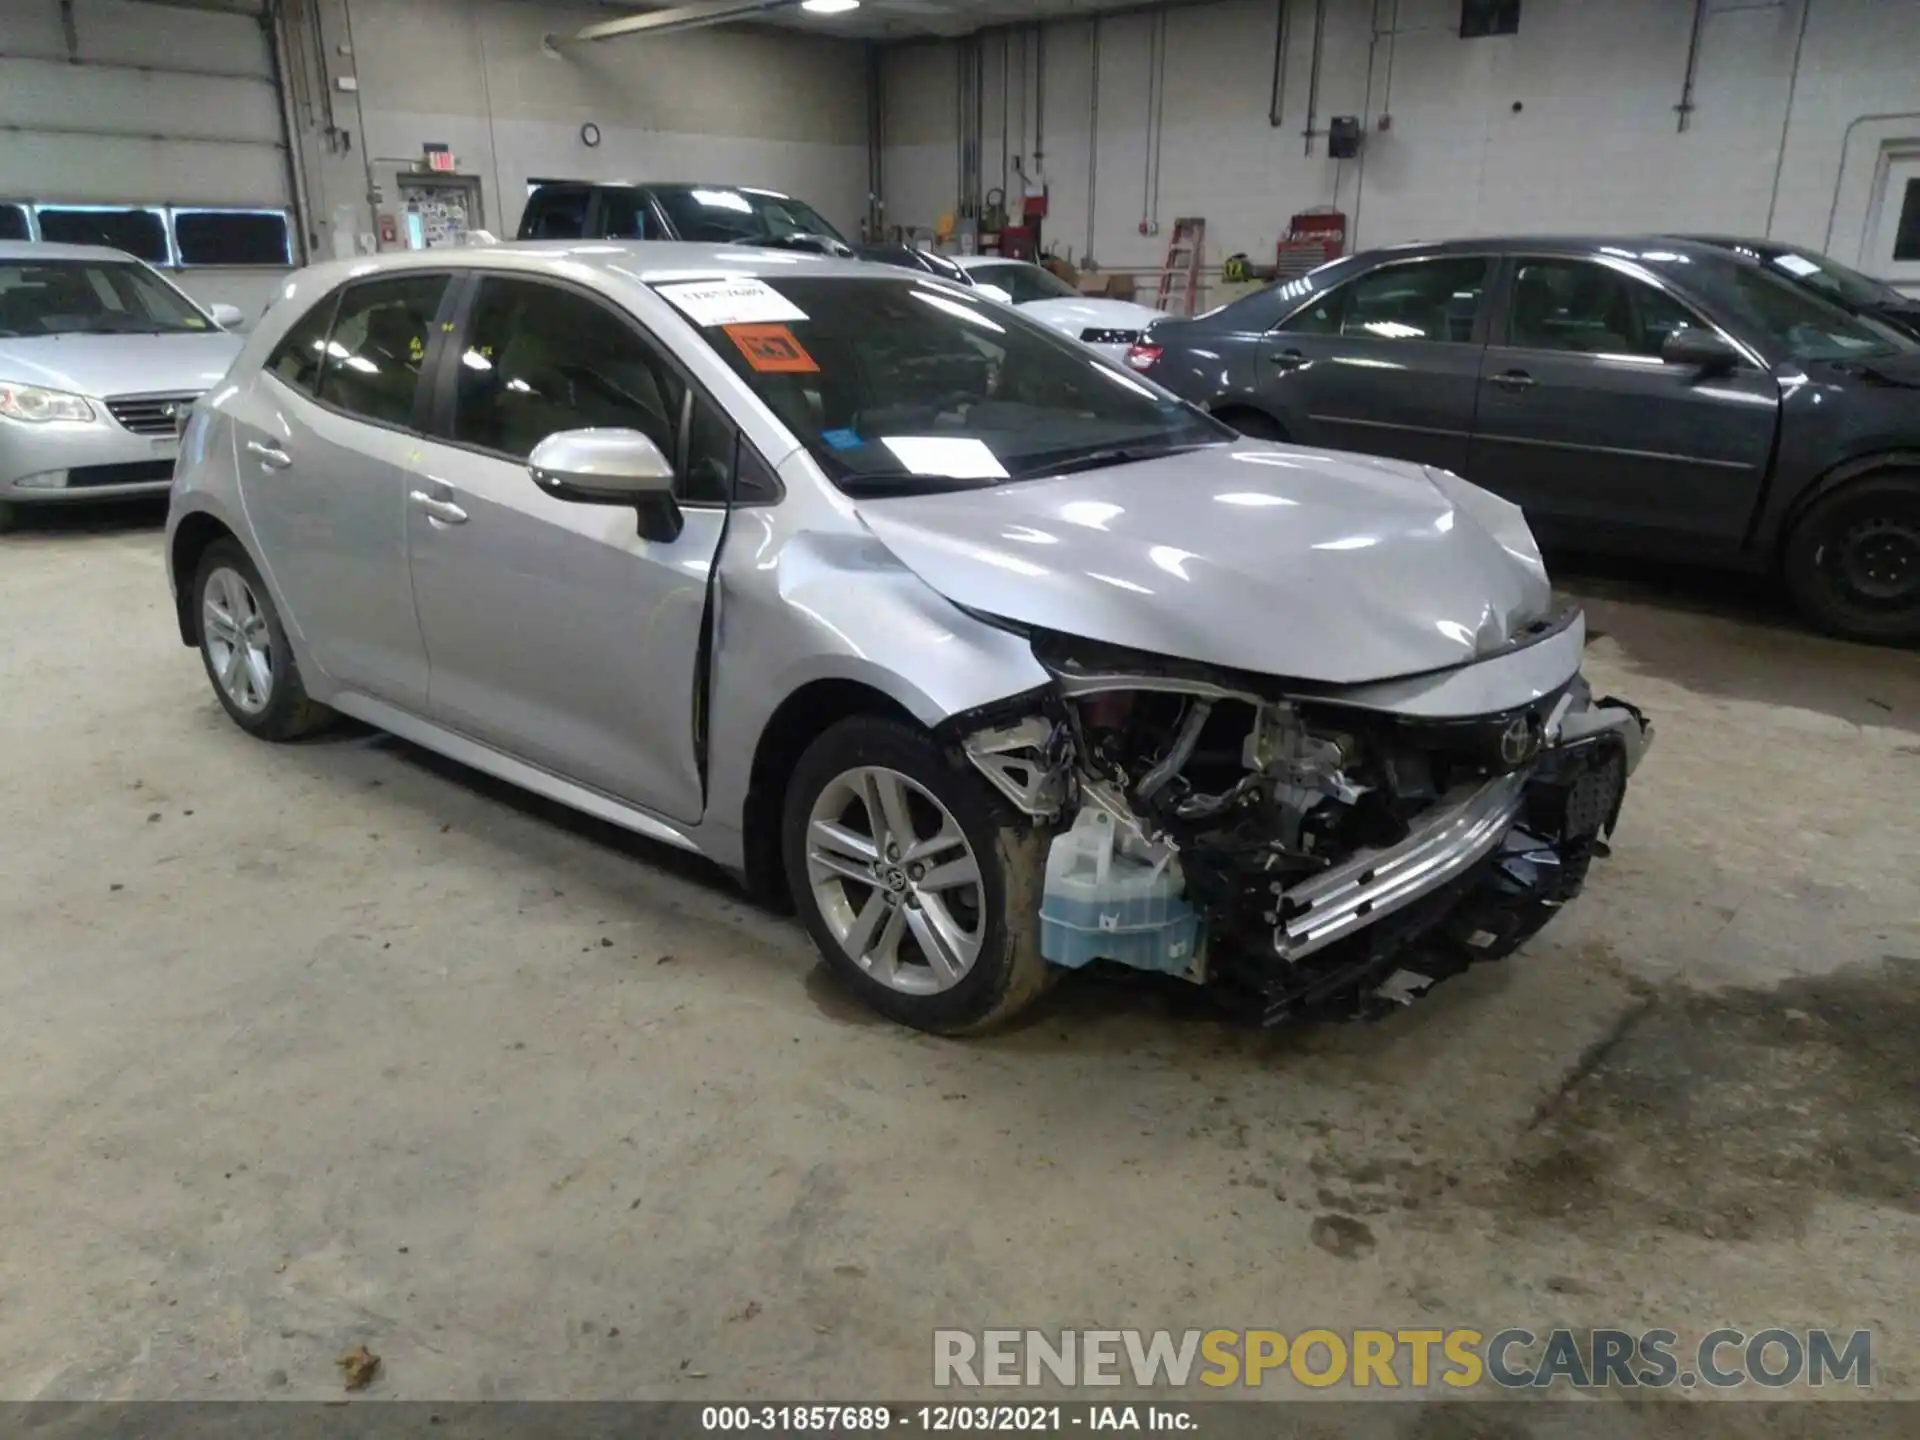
271,456
1513,380
445,511
1287,359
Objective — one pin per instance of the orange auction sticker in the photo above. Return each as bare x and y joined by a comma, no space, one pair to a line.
772,348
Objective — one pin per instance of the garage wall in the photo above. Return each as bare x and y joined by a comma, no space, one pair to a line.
152,105
1594,144
781,109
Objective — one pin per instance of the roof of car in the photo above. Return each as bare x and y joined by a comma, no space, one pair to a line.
47,250
648,261
662,185
971,262
1623,246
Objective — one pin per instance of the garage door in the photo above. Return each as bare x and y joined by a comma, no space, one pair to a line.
153,126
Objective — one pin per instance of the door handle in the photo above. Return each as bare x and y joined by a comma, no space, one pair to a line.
1515,380
445,511
1287,359
271,456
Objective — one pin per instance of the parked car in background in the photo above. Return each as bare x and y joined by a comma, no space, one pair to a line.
1110,326
101,357
1011,644
1829,279
711,213
1648,396
913,257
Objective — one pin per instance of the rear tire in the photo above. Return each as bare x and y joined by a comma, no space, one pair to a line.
1852,562
931,914
244,648
1253,424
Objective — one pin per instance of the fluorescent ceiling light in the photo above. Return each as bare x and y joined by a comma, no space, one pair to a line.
829,7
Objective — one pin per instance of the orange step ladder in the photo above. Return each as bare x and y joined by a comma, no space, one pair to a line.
1183,263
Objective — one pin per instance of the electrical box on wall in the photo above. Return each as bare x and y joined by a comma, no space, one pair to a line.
1343,137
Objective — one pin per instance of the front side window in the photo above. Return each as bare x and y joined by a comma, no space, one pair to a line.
298,357
539,359
1431,300
1024,283
1749,299
91,297
378,346
722,214
623,216
13,223
1590,309
905,385
559,213
139,230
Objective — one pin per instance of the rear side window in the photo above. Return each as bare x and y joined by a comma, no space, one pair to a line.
624,216
1432,300
541,359
559,213
296,359
378,346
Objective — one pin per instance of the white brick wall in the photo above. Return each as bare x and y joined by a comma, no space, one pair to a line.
1594,147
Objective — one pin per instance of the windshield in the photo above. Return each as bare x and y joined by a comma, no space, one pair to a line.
1024,282
720,214
903,386
1807,326
90,297
1834,280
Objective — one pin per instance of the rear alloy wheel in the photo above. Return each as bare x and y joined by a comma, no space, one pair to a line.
245,649
918,886
1853,561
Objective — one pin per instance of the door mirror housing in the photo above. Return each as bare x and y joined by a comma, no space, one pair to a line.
227,317
1700,349
610,467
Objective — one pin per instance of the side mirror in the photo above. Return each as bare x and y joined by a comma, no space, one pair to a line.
227,317
610,467
1701,350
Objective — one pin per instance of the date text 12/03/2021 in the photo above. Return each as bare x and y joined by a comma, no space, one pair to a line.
945,1419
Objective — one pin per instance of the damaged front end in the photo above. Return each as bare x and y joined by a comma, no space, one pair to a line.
1300,854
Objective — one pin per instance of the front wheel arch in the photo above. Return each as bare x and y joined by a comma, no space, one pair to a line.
1860,467
1251,421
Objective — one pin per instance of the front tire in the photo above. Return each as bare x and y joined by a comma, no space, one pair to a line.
1852,562
244,648
1253,424
920,887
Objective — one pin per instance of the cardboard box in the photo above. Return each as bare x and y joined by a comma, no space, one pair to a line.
1106,285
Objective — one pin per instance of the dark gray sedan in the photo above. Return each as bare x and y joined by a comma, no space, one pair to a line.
1652,397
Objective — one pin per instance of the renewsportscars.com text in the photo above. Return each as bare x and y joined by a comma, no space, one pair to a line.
1380,1359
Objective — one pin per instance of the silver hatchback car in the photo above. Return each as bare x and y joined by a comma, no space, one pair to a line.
992,658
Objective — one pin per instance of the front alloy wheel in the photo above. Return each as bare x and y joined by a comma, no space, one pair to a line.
919,884
895,880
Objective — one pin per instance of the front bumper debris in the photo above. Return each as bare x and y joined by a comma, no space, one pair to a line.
1480,874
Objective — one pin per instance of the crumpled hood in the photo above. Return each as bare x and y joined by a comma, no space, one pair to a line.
1303,564
104,365
1073,316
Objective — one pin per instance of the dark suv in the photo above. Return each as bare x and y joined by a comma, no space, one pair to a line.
719,214
1646,396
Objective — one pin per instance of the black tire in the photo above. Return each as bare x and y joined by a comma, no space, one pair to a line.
1008,973
1852,562
9,515
1253,424
287,714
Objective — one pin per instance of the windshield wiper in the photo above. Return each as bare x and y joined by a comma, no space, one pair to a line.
1114,455
884,486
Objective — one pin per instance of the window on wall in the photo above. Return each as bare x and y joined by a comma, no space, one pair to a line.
232,237
139,230
1488,17
13,223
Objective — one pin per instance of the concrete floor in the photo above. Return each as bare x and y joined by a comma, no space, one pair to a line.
304,1047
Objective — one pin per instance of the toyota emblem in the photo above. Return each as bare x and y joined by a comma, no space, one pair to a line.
1519,740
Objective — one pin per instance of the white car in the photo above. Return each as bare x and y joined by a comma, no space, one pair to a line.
1111,326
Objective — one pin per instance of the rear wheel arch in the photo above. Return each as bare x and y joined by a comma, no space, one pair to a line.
191,539
795,724
1250,420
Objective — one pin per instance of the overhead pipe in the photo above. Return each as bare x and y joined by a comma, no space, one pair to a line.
1093,143
697,16
1146,148
1685,107
1313,71
1277,99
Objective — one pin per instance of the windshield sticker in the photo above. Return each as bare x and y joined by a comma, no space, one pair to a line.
772,350
1796,265
842,439
731,302
193,322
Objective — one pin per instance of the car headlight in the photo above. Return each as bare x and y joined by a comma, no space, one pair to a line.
34,405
